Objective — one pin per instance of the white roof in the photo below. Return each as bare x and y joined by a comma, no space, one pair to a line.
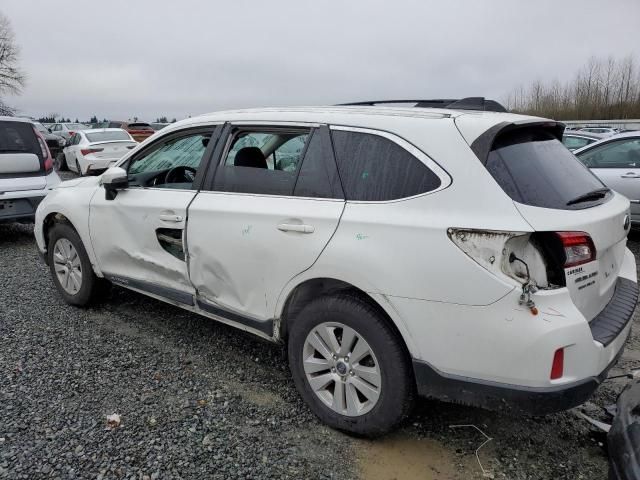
473,122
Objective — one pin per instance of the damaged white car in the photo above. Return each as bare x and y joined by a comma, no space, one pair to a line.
462,255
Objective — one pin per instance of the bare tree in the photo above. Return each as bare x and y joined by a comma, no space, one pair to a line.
12,79
602,89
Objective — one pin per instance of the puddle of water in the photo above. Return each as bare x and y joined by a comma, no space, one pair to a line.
405,458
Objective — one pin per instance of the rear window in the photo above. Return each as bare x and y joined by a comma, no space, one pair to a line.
107,136
374,168
18,137
76,126
534,168
139,126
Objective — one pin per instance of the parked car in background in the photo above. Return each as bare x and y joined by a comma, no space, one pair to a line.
91,151
26,169
138,130
55,142
574,140
66,130
616,161
607,131
159,126
464,274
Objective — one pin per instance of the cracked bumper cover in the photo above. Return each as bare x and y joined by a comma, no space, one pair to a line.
606,327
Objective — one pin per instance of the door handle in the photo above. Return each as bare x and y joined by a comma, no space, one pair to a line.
630,175
165,217
295,227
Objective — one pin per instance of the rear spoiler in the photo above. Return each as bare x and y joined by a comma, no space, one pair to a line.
482,145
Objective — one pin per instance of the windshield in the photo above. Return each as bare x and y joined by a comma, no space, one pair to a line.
534,168
107,136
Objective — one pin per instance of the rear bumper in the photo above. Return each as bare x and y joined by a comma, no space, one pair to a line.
503,397
19,209
624,437
610,330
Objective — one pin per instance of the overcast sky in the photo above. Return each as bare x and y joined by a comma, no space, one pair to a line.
118,59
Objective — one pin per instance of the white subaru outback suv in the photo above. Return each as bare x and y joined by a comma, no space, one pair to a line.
462,255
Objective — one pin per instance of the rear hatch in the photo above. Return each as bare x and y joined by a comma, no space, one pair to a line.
21,158
554,192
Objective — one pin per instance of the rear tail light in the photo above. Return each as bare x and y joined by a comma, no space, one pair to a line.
557,367
87,151
47,164
578,248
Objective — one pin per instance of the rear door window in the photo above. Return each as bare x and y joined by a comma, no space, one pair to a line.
534,168
262,161
374,168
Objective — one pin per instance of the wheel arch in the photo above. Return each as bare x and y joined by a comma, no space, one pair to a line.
54,217
305,291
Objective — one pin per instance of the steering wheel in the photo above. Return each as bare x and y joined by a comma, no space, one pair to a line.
181,172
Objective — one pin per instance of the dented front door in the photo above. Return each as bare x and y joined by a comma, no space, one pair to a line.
137,239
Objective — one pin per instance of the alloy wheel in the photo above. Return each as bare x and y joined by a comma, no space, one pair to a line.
342,369
67,266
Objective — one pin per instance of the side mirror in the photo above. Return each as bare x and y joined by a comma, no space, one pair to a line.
49,130
114,179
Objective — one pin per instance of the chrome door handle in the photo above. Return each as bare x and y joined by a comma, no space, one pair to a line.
294,227
630,175
170,218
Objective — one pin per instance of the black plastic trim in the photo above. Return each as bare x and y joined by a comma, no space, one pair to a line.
432,383
624,437
608,324
264,326
166,292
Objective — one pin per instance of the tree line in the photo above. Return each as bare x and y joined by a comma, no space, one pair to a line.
603,89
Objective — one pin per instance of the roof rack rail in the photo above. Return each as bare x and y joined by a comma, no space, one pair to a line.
468,103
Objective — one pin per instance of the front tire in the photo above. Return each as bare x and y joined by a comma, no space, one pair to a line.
350,366
71,268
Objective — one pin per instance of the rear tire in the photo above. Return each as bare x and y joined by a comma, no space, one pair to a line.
71,268
366,394
61,162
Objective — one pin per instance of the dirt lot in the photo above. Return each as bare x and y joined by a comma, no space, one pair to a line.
201,400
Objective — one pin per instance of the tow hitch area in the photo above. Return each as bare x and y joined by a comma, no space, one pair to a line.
623,434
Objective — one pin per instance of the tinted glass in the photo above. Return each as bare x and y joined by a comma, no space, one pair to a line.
139,126
619,154
373,168
318,175
572,143
263,162
115,124
534,168
108,136
18,137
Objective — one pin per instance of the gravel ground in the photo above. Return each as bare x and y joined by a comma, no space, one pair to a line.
198,399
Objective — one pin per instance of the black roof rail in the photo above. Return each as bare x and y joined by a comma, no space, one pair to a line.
468,103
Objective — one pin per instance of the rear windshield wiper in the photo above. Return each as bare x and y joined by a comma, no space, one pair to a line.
593,195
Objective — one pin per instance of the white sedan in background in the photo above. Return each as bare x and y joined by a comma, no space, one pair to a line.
91,151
